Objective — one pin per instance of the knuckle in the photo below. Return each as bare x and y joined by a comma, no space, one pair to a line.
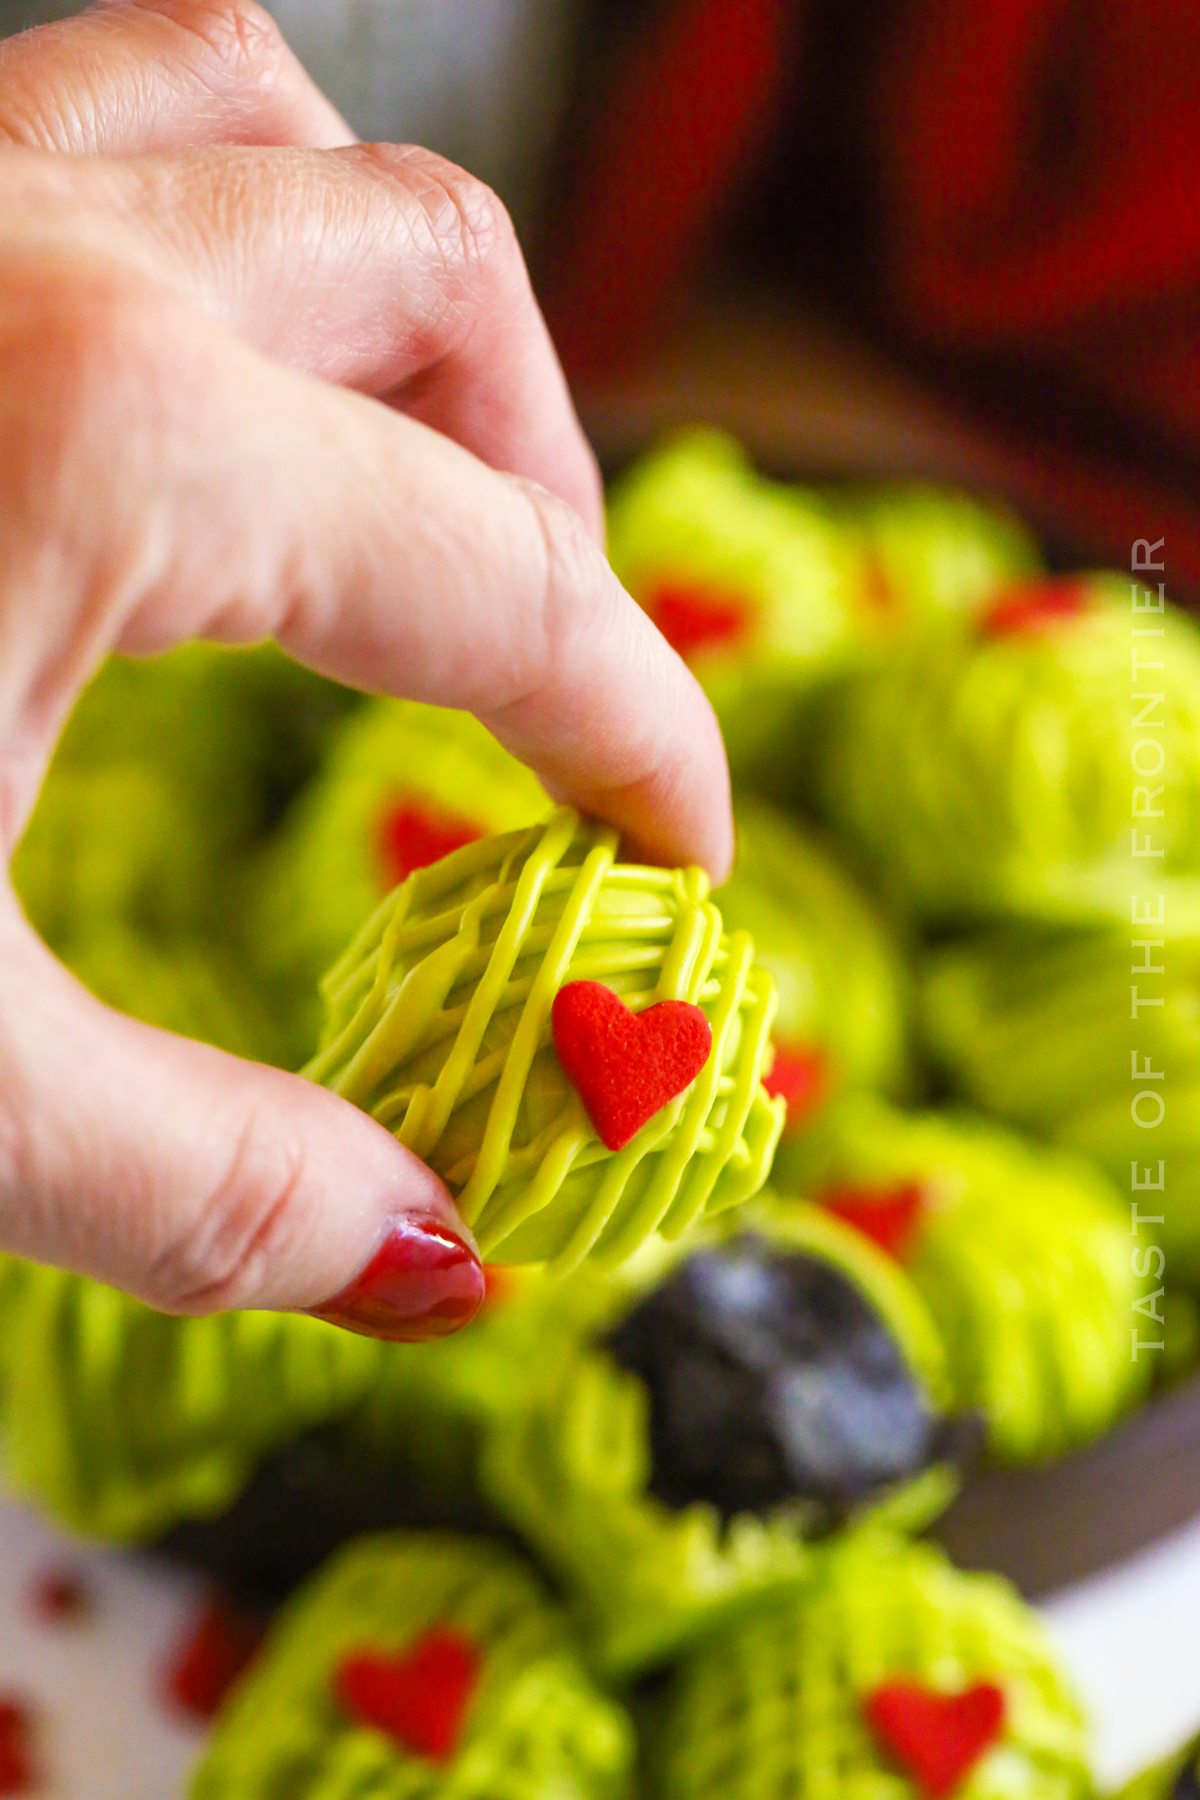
243,1231
238,38
573,598
577,584
465,225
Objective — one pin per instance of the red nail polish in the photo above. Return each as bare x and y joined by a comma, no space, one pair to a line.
423,1282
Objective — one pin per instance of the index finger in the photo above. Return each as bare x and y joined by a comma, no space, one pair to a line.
229,497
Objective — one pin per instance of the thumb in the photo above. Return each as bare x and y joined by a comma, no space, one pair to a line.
199,1182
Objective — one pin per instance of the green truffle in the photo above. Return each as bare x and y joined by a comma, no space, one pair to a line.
751,580
573,1472
932,552
985,772
1022,1254
109,844
775,1704
397,771
185,983
123,1421
534,1726
439,1026
169,770
1038,1027
431,1407
132,867
842,984
768,589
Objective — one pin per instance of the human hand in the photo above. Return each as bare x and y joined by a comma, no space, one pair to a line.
256,380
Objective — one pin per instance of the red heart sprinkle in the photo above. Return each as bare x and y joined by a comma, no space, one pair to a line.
412,835
697,617
60,1596
418,1697
889,1217
938,1738
625,1066
218,1647
1030,604
800,1074
16,1754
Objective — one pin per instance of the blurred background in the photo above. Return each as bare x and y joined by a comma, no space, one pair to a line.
870,237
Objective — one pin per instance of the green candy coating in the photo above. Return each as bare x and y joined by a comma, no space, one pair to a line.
1161,1780
325,872
438,1024
535,1728
982,774
1021,1254
841,982
123,1421
774,1704
1037,1027
572,1472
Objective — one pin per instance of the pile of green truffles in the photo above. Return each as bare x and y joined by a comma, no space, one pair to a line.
801,1200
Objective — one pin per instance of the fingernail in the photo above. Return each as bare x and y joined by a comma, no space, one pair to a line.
423,1282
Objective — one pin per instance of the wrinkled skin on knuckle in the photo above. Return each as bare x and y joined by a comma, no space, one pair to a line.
61,100
460,231
580,592
235,42
217,1259
572,608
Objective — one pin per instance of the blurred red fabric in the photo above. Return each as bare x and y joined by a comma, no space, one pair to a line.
1036,174
686,116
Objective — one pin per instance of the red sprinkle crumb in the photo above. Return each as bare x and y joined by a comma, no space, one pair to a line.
800,1074
1031,605
216,1649
60,1596
499,1284
878,591
694,616
17,1773
417,1697
937,1737
413,834
889,1217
